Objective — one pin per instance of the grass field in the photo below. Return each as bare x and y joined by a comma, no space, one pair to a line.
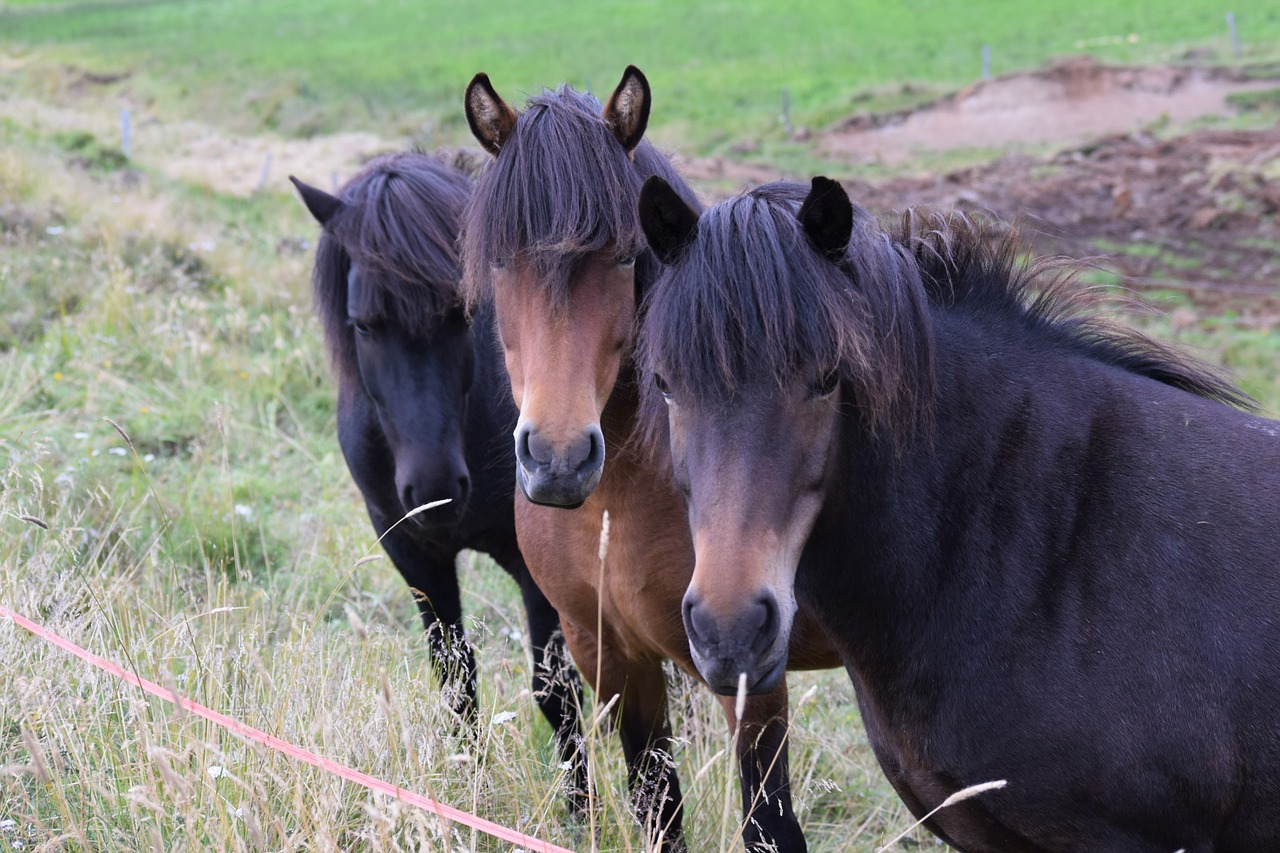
718,69
220,547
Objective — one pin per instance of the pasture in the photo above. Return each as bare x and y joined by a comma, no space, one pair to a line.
398,68
208,535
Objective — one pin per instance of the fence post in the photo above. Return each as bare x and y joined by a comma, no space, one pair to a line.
126,132
266,172
1234,33
986,62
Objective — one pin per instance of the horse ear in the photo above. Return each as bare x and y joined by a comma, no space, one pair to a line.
322,205
827,217
490,118
627,112
670,225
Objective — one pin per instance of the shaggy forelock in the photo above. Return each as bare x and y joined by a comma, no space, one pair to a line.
752,298
400,227
561,188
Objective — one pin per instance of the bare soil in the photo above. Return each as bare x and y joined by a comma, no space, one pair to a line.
1198,213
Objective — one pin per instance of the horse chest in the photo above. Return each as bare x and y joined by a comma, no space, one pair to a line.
631,577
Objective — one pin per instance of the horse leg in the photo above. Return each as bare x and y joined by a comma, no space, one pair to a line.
640,715
769,823
434,583
556,686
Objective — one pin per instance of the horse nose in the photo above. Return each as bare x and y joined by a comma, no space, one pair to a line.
534,450
724,648
416,487
559,474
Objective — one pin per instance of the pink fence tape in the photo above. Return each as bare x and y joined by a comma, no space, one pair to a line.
249,733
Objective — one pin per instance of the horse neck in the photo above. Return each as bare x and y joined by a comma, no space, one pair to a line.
620,419
491,413
915,538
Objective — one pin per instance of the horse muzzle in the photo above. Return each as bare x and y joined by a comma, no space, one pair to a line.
416,487
555,475
750,643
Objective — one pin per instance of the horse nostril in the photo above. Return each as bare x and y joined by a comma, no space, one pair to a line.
766,612
698,624
595,450
407,501
532,449
462,488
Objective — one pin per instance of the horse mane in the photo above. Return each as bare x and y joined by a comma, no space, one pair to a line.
869,315
965,265
561,188
789,306
399,223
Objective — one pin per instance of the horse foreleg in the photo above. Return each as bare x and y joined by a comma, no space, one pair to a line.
769,823
647,746
556,686
640,716
434,583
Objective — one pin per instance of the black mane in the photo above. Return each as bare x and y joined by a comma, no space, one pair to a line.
399,224
964,266
562,187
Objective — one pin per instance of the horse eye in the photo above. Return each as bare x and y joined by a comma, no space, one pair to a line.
363,329
663,388
827,385
627,261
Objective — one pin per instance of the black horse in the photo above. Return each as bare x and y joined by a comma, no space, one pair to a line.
1046,547
424,412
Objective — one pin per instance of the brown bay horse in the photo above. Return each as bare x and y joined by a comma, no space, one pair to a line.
552,236
1046,546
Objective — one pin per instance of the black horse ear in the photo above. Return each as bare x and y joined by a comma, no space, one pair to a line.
827,217
322,205
627,112
490,118
670,225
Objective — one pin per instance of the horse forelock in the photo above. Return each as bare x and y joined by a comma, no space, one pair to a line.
561,188
752,298
400,226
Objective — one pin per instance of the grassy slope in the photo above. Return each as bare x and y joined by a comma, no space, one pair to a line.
718,68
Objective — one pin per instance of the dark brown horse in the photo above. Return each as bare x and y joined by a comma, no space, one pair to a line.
1047,547
423,412
552,235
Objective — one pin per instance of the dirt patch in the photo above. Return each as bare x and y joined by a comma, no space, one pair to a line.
1067,102
1198,213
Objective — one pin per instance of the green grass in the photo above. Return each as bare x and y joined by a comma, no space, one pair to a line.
718,69
1258,100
